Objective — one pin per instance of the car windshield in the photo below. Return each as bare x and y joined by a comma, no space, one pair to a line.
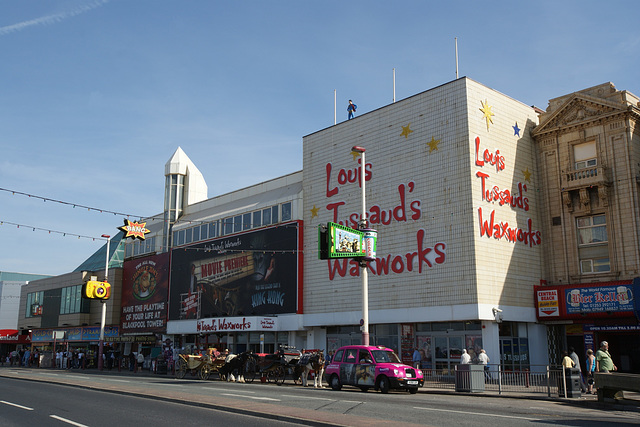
385,356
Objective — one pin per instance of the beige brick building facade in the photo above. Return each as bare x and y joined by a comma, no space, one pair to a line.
451,188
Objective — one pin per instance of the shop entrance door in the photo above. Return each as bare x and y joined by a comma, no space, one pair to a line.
447,352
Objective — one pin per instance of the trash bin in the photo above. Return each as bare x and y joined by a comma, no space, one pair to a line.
470,378
572,379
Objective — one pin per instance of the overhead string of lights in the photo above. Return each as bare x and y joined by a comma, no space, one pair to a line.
127,215
74,205
64,234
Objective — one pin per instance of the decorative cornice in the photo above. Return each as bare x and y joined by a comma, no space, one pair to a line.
581,110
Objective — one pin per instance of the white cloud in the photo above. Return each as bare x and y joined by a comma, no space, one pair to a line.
52,19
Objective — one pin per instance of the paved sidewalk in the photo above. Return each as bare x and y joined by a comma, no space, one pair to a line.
631,402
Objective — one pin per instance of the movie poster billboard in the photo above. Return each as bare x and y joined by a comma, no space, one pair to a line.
254,273
145,290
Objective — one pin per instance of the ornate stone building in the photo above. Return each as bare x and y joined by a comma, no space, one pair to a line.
589,170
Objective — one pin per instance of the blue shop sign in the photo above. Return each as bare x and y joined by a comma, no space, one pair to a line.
75,334
599,299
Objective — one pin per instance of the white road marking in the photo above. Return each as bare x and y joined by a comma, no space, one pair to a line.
16,405
479,413
250,397
73,423
306,397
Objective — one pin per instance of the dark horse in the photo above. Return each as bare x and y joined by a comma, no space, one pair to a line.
236,364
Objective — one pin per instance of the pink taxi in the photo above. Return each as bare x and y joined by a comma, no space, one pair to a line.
368,367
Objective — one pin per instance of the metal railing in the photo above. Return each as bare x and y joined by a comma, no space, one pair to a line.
539,379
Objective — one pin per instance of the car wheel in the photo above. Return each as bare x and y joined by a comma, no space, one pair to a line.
413,390
383,384
335,383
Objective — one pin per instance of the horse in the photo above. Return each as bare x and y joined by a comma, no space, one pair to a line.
312,361
236,363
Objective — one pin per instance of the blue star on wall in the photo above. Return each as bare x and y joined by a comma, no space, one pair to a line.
516,130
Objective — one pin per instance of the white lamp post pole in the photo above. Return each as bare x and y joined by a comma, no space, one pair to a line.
104,308
363,263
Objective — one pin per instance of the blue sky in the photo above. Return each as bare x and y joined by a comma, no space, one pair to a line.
97,95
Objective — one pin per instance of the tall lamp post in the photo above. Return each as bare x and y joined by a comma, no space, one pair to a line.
104,308
365,273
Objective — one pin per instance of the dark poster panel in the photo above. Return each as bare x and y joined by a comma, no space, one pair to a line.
254,273
145,290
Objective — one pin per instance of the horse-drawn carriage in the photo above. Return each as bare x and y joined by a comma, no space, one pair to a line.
273,367
247,366
201,366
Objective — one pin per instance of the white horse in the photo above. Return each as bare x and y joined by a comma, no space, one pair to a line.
312,361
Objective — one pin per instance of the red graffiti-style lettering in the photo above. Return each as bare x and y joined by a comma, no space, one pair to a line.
333,191
494,159
501,230
347,176
424,257
503,197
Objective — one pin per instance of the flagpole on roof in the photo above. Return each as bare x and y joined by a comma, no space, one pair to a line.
334,108
456,58
394,85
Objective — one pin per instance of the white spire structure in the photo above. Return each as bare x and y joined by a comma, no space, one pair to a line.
184,186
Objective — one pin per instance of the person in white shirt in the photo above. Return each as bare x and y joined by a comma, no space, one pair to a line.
465,359
483,359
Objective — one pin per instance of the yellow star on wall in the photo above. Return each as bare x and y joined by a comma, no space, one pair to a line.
355,154
406,131
486,110
433,144
314,211
527,175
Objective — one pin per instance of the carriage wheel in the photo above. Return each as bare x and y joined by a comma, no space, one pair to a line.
181,369
217,372
279,375
251,371
205,372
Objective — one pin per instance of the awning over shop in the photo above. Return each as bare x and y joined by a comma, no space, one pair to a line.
588,301
13,336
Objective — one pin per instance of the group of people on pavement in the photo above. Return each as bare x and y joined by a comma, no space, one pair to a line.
599,362
21,357
465,358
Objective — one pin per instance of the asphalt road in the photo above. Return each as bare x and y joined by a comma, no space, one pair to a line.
29,404
95,399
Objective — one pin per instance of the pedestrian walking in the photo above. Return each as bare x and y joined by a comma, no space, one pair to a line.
140,360
416,358
465,358
576,361
604,363
483,359
591,368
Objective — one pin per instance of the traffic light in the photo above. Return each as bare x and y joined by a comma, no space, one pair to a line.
94,289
